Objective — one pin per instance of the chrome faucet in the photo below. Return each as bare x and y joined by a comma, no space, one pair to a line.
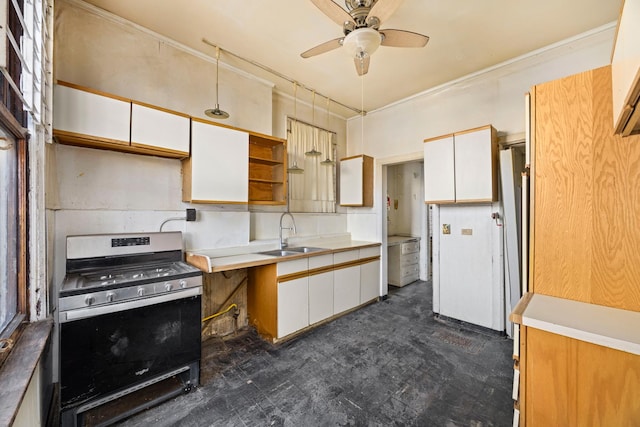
283,242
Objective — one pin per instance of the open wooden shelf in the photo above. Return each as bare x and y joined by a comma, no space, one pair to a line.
267,170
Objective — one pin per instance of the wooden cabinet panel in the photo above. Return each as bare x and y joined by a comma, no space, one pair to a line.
90,114
356,181
217,171
346,288
267,170
161,129
585,206
439,180
293,306
574,383
320,296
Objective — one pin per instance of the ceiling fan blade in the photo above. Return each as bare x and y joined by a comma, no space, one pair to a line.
322,48
383,9
362,65
333,11
401,38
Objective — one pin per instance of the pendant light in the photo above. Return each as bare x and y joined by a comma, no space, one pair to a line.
216,112
294,168
313,152
328,161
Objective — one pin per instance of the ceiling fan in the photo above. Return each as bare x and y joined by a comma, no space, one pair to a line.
360,25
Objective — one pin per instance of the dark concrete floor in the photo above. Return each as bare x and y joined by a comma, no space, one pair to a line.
390,363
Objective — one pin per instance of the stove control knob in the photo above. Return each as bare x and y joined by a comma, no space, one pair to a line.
89,300
183,284
168,286
140,292
110,296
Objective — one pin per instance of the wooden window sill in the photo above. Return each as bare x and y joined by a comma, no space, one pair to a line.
17,370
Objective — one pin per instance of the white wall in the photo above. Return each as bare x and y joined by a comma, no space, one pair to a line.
395,133
97,191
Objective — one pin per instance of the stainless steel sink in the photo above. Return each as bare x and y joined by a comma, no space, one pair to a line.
280,252
305,249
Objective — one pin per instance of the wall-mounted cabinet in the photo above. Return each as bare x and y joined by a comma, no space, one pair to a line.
461,167
267,170
159,129
90,118
625,71
356,181
217,171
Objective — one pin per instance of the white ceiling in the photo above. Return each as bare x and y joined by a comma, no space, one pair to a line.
465,36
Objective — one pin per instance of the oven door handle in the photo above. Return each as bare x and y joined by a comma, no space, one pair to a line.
84,313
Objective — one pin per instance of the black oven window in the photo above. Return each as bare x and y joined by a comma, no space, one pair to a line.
104,354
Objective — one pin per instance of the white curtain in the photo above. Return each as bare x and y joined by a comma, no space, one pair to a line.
313,190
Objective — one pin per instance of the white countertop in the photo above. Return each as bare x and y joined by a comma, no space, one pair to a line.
214,260
606,326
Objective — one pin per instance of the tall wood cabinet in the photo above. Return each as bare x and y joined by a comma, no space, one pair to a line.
585,235
461,167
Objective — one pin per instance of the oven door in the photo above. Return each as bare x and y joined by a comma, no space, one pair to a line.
109,352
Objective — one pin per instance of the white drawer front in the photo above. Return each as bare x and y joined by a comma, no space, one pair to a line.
294,266
410,270
369,252
410,247
320,261
409,259
340,257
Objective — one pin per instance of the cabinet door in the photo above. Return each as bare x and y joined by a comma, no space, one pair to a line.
369,281
439,183
346,288
351,181
293,306
156,128
219,167
320,296
90,114
474,166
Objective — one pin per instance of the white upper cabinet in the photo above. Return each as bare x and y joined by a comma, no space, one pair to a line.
625,70
461,168
438,170
217,171
81,113
356,181
153,127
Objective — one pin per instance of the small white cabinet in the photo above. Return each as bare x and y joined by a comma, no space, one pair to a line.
461,168
403,258
83,114
217,171
293,307
153,127
356,181
625,70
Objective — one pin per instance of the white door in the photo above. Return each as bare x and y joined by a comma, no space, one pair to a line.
293,306
346,288
320,296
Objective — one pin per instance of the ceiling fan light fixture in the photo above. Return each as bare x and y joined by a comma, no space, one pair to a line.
362,42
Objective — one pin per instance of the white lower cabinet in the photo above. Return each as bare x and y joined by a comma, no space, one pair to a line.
346,288
293,306
369,281
320,296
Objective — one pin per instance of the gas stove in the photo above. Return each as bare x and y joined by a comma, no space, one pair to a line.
129,321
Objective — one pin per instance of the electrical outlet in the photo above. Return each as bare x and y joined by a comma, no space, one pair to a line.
467,231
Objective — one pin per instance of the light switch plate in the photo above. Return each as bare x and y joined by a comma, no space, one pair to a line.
446,228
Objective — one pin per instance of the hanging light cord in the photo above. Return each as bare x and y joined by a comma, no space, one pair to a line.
362,110
217,61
